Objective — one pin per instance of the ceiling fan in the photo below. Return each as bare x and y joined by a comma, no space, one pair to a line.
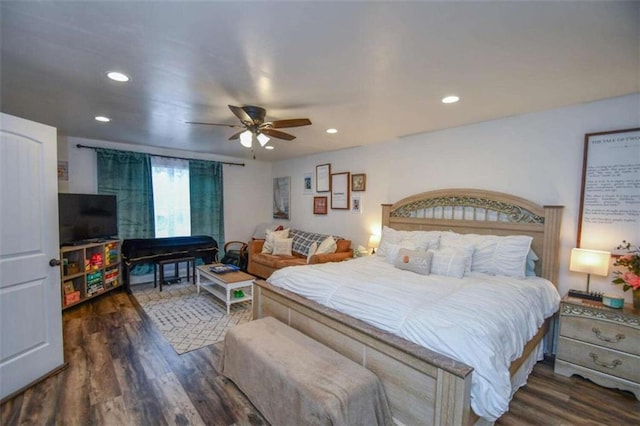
252,119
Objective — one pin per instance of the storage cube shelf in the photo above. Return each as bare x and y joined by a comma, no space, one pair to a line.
89,270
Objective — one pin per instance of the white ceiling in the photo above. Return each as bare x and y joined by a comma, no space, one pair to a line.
374,70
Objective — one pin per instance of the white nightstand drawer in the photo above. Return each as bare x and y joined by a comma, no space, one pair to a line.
597,358
602,333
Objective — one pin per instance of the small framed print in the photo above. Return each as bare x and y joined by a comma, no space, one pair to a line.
307,188
358,182
340,191
323,178
320,205
356,204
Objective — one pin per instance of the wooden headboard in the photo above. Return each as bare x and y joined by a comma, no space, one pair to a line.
474,211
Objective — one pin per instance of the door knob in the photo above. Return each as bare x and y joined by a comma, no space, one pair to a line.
54,262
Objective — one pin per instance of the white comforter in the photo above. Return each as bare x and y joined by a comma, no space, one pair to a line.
481,320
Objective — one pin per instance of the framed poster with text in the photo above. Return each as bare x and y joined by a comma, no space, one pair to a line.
610,194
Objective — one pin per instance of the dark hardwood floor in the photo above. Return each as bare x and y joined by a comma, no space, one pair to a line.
122,372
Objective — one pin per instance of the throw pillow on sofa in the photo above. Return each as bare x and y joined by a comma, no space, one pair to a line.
282,246
312,250
327,246
267,248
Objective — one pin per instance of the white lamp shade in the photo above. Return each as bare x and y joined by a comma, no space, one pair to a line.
594,262
263,139
245,139
374,241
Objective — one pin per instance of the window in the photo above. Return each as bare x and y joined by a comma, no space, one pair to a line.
171,201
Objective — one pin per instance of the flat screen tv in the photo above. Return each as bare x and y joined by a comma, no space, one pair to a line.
87,217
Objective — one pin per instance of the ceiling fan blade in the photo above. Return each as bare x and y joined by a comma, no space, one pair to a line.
236,135
294,122
215,124
277,134
241,114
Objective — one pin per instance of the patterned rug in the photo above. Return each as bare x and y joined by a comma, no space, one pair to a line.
189,320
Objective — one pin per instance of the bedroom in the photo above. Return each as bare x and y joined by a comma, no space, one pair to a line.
536,155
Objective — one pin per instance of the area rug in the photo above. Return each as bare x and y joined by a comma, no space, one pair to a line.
189,320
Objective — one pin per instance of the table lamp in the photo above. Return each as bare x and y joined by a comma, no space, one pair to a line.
374,242
590,262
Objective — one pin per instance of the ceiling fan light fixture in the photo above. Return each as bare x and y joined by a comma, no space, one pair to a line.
450,99
245,138
332,131
102,119
263,139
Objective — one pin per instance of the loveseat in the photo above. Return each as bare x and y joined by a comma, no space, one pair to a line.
264,264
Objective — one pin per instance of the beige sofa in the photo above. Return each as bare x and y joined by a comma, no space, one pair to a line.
263,265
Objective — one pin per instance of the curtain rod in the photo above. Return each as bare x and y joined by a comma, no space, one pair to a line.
157,155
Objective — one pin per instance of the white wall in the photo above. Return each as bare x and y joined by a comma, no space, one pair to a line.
247,194
535,156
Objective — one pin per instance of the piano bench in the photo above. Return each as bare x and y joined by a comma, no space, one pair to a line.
191,269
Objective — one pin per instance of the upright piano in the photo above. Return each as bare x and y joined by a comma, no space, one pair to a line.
138,251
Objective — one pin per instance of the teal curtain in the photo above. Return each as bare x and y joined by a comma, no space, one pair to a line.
207,201
128,176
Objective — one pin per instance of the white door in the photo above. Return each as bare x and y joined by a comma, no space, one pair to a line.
30,310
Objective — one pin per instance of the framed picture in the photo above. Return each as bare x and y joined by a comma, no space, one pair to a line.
307,184
340,191
320,205
356,204
609,195
358,182
281,197
323,175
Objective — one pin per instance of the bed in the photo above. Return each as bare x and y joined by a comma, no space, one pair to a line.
423,386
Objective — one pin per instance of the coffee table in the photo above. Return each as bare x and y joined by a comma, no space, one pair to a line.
223,285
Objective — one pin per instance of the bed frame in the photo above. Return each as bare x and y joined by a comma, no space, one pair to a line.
423,386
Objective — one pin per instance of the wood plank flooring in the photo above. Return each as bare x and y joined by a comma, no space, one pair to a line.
122,372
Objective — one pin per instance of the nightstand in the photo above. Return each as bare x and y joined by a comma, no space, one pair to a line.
600,344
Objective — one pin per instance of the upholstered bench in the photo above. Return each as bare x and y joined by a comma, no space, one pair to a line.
294,380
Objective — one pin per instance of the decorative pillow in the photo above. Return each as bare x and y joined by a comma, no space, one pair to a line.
414,261
312,251
302,240
394,249
271,237
282,246
530,268
451,261
327,246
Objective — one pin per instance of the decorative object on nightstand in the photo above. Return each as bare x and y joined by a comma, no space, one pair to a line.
631,278
600,344
374,242
589,262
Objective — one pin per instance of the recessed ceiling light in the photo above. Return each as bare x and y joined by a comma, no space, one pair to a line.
450,100
332,131
269,147
117,76
102,118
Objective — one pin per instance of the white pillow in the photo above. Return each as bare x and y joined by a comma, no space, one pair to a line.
451,261
414,261
327,246
267,247
389,236
493,254
312,250
282,246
